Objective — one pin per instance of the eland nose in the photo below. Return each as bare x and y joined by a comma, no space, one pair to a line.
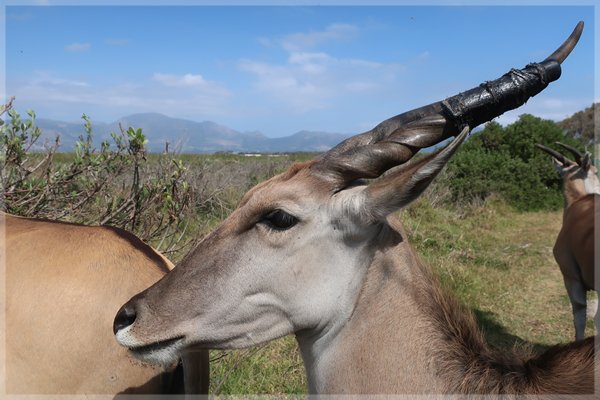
125,317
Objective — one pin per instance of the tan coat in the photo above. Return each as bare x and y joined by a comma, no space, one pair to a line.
64,284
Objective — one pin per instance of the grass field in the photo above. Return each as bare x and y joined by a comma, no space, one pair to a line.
497,261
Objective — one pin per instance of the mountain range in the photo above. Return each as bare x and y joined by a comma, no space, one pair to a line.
188,136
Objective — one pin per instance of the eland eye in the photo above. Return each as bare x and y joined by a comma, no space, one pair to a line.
279,220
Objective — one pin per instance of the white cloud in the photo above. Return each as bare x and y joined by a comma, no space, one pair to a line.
300,41
183,80
310,81
313,80
301,58
555,109
288,84
185,96
311,63
77,47
557,104
44,78
193,85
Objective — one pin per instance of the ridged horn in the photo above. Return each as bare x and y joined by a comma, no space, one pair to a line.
563,160
576,153
396,140
565,49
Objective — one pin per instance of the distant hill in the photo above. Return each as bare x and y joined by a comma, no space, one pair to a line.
68,132
209,137
581,124
190,136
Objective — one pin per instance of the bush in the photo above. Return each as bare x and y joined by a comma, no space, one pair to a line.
168,201
504,160
113,185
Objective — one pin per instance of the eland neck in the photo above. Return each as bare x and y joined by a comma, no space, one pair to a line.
406,334
383,345
579,185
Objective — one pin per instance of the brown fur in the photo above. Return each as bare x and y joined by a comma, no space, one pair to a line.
293,170
408,334
575,241
470,366
64,284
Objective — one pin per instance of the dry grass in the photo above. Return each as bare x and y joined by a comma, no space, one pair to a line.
500,263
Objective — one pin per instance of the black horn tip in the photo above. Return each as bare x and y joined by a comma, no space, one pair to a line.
565,49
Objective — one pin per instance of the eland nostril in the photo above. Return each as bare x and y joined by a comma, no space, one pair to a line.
125,317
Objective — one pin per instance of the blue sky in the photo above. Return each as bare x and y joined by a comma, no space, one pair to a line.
281,69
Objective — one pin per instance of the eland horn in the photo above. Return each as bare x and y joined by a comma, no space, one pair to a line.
576,153
397,139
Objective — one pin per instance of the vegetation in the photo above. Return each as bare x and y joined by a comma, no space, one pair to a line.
487,224
499,262
112,185
165,199
504,161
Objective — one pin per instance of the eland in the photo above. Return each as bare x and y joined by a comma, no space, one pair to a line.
574,247
64,283
318,252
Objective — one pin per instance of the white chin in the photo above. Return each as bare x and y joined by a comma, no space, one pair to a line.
164,353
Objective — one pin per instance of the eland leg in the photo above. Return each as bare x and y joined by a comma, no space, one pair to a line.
577,295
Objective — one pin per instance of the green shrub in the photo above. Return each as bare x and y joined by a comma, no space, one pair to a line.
504,160
112,185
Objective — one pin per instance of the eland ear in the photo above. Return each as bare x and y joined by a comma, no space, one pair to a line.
398,188
558,165
586,162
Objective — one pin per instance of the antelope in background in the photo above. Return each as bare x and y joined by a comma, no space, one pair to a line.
574,247
318,252
64,282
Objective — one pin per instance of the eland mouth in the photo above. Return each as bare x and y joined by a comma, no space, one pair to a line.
162,352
